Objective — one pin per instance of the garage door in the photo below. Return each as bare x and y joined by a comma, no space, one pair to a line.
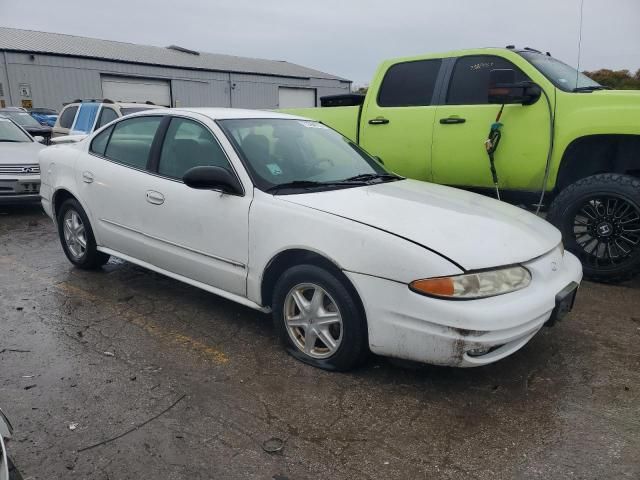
140,90
296,97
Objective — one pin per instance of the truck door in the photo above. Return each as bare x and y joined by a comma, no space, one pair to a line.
462,125
397,123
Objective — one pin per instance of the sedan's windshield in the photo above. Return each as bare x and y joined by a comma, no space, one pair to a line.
560,74
21,118
283,154
9,132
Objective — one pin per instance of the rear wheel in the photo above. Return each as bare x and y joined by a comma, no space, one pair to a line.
318,318
76,237
599,218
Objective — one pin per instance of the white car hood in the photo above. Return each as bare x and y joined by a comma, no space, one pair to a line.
471,230
19,153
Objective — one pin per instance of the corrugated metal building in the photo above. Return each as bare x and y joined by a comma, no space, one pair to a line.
48,69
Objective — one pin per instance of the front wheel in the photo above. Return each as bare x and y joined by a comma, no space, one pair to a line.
318,318
599,218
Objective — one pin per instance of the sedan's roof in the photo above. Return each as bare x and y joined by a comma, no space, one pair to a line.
228,113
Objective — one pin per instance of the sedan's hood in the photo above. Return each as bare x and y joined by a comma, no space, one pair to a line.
471,230
19,153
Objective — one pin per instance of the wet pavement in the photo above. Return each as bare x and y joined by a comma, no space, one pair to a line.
86,357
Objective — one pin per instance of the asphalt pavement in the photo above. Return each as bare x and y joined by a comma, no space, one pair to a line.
126,374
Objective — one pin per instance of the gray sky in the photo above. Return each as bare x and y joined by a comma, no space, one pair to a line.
348,37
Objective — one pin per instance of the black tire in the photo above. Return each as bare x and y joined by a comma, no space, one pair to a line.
90,258
354,345
597,216
14,474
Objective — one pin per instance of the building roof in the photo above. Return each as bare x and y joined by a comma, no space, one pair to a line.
70,45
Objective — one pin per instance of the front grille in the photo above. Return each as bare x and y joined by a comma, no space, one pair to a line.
33,169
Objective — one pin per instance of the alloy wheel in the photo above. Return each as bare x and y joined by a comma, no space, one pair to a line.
606,229
313,320
75,235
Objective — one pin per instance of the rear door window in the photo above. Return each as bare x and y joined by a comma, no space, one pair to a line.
409,84
131,140
67,116
470,79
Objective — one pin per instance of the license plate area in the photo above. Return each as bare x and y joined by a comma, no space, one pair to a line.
565,299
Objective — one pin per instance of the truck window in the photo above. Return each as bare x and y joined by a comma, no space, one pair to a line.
470,79
409,84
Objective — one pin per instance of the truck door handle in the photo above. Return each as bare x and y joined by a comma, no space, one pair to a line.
155,197
452,120
87,177
378,121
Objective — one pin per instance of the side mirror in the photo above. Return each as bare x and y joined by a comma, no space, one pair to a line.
503,89
39,139
212,178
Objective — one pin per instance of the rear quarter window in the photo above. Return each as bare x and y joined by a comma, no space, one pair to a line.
99,143
67,116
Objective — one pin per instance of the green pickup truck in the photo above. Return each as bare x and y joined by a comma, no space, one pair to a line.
564,135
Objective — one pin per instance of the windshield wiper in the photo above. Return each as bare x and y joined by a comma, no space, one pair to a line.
591,88
365,177
294,184
12,141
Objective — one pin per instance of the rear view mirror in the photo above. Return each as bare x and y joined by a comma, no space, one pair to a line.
212,178
39,139
503,88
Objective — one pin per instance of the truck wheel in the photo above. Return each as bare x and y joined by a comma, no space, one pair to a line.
318,319
599,217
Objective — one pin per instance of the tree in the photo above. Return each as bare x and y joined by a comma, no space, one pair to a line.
616,79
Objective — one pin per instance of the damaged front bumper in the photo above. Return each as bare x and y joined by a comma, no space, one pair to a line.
470,333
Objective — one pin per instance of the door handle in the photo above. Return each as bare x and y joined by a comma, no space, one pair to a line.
87,177
452,120
378,121
155,197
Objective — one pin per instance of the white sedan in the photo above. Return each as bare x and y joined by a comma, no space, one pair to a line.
283,214
19,168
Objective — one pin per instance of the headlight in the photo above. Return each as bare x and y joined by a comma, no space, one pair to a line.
474,285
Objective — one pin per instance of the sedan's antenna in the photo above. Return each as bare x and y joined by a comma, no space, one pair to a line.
579,42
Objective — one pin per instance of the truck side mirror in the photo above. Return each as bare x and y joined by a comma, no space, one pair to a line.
503,88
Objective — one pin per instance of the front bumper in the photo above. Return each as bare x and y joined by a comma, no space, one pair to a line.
406,325
25,189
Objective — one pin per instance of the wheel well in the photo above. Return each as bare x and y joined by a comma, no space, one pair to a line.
595,154
58,199
289,258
